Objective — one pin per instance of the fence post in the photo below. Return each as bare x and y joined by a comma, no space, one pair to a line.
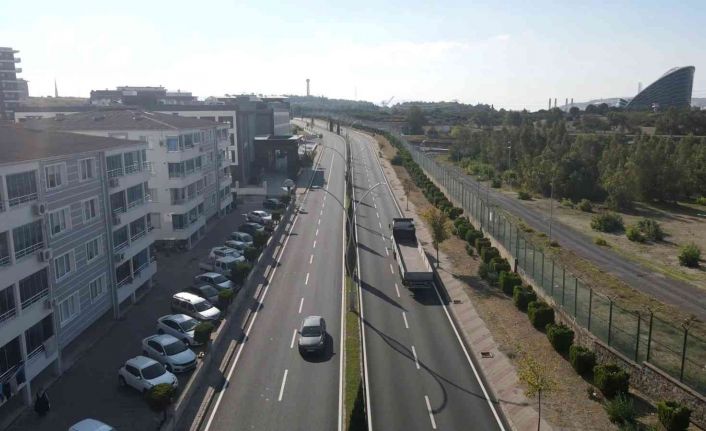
590,307
637,339
517,243
541,280
649,337
534,253
576,298
552,281
610,319
683,354
563,284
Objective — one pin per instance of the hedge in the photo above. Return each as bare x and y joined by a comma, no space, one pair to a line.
582,359
540,314
522,296
611,380
481,242
488,253
472,235
470,250
202,332
673,415
499,264
561,337
508,280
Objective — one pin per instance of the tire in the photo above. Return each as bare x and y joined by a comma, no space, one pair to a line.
121,381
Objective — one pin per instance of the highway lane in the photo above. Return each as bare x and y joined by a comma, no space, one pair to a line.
270,385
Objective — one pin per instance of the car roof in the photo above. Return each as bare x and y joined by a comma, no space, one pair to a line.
312,321
209,274
188,296
90,425
163,339
178,318
140,361
202,286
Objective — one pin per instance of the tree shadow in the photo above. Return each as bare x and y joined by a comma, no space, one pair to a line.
380,294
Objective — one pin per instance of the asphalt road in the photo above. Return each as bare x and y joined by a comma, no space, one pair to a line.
270,386
419,376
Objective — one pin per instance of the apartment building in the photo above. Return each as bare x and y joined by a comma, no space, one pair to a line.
188,184
10,89
57,269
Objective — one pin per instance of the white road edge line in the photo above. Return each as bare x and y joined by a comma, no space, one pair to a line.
404,317
397,289
416,359
431,414
387,252
301,303
391,269
294,337
284,382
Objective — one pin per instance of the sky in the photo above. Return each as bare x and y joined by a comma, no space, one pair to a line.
512,54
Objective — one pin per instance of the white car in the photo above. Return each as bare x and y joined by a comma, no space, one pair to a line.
219,281
180,326
237,245
169,351
241,237
261,217
217,252
142,373
91,425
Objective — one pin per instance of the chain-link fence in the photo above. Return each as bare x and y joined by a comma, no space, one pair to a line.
641,337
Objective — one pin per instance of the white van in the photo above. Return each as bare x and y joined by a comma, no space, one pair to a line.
194,306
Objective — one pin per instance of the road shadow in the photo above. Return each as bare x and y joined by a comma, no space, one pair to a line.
374,291
368,249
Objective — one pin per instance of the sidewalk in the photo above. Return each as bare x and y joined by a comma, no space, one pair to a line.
499,372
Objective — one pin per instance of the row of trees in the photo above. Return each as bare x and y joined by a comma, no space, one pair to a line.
618,169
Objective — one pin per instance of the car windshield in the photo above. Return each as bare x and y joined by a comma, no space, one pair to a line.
219,279
311,331
188,325
209,291
174,348
153,371
202,306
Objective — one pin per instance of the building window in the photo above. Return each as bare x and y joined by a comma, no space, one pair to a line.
28,238
34,288
10,355
59,221
7,303
69,309
21,187
87,169
38,334
90,209
94,249
55,175
97,288
63,265
172,143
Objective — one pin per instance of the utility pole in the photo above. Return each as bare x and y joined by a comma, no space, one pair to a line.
509,149
551,209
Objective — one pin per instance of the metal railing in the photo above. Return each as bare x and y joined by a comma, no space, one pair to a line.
5,260
28,250
121,246
9,314
12,202
138,235
35,298
136,202
125,281
34,353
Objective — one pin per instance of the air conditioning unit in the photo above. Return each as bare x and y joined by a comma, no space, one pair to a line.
44,255
116,219
114,182
119,256
39,209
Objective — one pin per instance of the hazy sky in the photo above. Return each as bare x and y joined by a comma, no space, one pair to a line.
512,54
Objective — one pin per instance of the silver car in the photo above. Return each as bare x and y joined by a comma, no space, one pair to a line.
312,336
169,351
219,281
142,373
260,217
180,326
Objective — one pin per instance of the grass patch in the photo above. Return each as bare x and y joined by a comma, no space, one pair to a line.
353,397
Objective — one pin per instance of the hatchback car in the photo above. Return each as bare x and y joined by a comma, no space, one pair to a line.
260,217
251,228
222,251
219,281
206,291
273,204
142,373
312,336
169,351
180,326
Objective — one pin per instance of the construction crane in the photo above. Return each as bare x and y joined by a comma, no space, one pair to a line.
386,103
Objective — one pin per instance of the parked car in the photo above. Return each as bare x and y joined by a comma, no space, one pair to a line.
169,351
260,217
220,265
242,237
194,306
312,335
219,281
273,204
91,425
222,251
180,326
142,373
206,291
251,228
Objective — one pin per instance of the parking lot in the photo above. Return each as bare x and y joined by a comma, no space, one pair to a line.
90,387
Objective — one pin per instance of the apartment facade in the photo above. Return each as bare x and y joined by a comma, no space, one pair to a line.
10,88
56,263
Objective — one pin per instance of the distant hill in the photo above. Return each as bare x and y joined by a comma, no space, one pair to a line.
611,101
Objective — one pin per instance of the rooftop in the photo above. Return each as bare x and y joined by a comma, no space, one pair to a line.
119,119
20,144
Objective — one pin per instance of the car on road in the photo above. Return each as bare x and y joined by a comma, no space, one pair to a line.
170,352
206,291
251,228
260,217
91,425
312,335
142,373
273,204
222,251
180,326
219,281
194,306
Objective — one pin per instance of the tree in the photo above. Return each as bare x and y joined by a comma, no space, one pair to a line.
416,120
440,227
537,377
159,398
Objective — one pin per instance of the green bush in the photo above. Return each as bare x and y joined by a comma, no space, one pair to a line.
251,253
508,281
701,200
285,199
673,415
540,314
481,243
202,332
634,234
461,221
240,272
454,212
225,297
607,222
276,216
585,206
499,264
260,239
461,231
396,160
160,396
582,359
472,235
689,256
600,241
492,278
621,409
651,229
611,380
561,337
488,253
483,271
523,195
567,203
470,250
522,296
496,183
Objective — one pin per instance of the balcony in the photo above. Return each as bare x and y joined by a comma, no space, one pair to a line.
137,242
41,357
9,314
19,200
140,275
39,296
132,211
19,254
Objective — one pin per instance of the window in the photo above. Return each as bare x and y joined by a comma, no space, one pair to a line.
172,143
69,309
63,265
87,169
55,175
38,334
10,355
94,249
90,209
21,187
59,221
97,288
28,238
33,288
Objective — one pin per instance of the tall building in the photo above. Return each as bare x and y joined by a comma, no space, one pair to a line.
671,90
9,87
57,267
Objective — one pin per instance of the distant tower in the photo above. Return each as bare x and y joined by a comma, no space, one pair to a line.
56,89
555,102
550,103
307,87
572,102
566,104
639,87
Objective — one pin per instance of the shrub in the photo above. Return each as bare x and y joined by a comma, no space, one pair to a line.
554,243
240,272
202,332
540,314
585,206
285,199
600,241
651,229
461,231
481,243
522,296
483,271
276,216
611,380
488,253
567,203
510,177
508,281
689,256
633,233
582,359
499,264
492,278
461,221
251,253
523,195
396,160
701,200
454,212
673,415
472,235
160,396
225,297
260,239
496,183
607,222
621,409
470,250
561,337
